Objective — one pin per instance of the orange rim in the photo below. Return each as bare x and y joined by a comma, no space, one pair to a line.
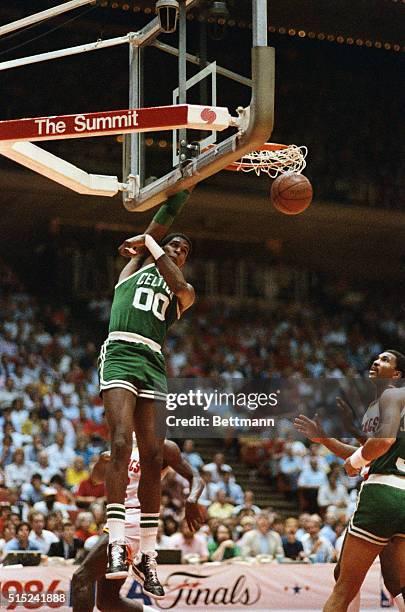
236,166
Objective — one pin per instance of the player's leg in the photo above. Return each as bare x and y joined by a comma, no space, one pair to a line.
356,559
84,578
150,446
355,603
119,407
393,570
109,600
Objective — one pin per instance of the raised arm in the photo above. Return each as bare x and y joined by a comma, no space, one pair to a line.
177,248
157,228
312,429
173,458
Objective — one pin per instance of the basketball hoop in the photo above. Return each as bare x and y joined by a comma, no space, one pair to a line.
272,159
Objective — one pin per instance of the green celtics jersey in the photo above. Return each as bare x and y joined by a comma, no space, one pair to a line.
143,304
392,462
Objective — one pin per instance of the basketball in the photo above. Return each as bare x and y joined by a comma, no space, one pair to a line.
291,193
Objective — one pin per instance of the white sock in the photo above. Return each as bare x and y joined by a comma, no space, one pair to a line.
148,609
149,529
399,602
116,523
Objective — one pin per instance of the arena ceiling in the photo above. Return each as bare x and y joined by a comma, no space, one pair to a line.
377,23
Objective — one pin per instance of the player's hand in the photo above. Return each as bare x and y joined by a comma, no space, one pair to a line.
350,470
311,428
105,456
195,515
131,246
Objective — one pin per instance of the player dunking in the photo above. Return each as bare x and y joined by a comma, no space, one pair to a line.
94,566
150,295
378,525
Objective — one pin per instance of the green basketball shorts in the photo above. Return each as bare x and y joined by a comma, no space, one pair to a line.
132,366
380,511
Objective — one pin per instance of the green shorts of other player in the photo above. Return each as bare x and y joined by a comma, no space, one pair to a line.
380,512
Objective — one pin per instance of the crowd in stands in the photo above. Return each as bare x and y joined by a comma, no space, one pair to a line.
52,429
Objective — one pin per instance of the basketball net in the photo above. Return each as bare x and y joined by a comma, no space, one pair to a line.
272,159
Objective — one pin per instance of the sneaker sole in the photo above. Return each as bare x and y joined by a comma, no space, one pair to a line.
116,575
152,595
134,573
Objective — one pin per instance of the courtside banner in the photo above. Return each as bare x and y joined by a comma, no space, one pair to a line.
197,588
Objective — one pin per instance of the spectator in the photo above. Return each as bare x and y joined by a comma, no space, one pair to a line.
333,493
290,467
315,453
328,529
88,491
316,547
278,524
41,537
98,511
63,496
190,543
8,393
217,467
82,449
17,505
83,526
221,508
6,450
21,540
32,450
303,523
18,439
54,522
247,523
17,472
222,546
293,548
68,546
18,414
209,493
32,492
248,504
76,473
233,491
43,468
8,533
262,540
309,481
61,453
49,503
193,458
69,408
59,423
